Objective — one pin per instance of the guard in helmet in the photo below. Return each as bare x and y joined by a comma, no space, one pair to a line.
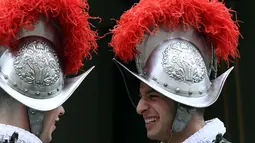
176,45
41,41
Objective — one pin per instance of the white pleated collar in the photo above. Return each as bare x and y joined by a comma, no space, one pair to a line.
6,132
208,133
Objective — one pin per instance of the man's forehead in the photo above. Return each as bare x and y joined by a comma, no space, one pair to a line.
144,88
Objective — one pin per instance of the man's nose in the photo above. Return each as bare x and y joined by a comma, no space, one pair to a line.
61,110
142,106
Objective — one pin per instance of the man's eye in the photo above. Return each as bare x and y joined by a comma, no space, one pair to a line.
152,96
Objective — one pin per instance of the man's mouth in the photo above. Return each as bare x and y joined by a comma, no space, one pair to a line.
54,126
150,120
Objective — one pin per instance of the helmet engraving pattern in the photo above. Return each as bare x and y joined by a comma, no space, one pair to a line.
183,62
36,63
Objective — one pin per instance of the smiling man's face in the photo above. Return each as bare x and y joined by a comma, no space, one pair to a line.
158,112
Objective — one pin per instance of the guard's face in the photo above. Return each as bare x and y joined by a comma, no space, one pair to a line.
158,112
51,117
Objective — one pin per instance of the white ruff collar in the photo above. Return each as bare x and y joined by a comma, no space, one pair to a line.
6,132
208,133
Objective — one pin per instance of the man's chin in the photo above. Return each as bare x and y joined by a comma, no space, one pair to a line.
152,135
156,135
45,139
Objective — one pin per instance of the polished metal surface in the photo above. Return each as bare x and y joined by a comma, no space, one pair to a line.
182,117
70,85
150,42
33,76
183,62
203,100
177,66
34,71
37,63
45,29
36,121
178,63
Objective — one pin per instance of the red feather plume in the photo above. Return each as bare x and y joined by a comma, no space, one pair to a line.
208,16
79,39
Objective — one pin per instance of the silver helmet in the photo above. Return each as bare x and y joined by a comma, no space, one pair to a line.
178,64
42,42
33,75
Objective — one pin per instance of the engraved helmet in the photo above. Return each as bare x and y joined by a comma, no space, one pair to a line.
176,46
178,64
42,41
179,67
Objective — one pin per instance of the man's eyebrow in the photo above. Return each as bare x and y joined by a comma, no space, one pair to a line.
149,91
